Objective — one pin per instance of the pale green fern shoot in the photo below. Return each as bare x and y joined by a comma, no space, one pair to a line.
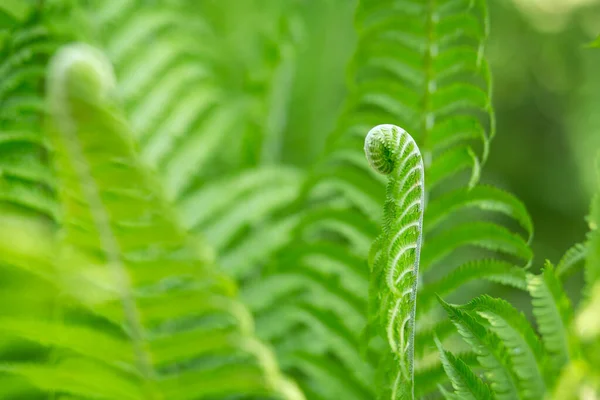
390,150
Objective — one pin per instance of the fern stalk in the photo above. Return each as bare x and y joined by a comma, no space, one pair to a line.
394,272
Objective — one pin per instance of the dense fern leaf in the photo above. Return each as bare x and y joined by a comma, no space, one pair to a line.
428,379
466,383
525,349
25,180
159,59
492,354
553,314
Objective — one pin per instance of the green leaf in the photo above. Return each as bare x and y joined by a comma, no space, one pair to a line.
89,342
427,379
571,260
491,353
553,314
491,270
525,349
485,235
466,384
486,198
452,162
25,179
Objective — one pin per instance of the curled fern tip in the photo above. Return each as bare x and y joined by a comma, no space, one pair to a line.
381,145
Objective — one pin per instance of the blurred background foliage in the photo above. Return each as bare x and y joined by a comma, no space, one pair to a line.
547,92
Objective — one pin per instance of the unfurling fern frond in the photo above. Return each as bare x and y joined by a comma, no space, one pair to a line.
145,314
395,269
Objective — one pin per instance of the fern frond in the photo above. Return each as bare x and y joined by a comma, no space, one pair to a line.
491,352
573,258
394,274
553,314
291,300
190,86
428,379
134,268
466,384
491,270
525,349
486,198
25,180
251,223
485,235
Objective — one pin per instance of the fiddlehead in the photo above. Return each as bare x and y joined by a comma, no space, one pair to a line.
390,150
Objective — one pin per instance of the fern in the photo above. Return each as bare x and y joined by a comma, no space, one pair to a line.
573,258
25,182
526,351
553,313
115,244
412,69
492,354
466,384
177,171
394,273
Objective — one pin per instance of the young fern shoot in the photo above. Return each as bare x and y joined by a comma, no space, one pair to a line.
394,259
